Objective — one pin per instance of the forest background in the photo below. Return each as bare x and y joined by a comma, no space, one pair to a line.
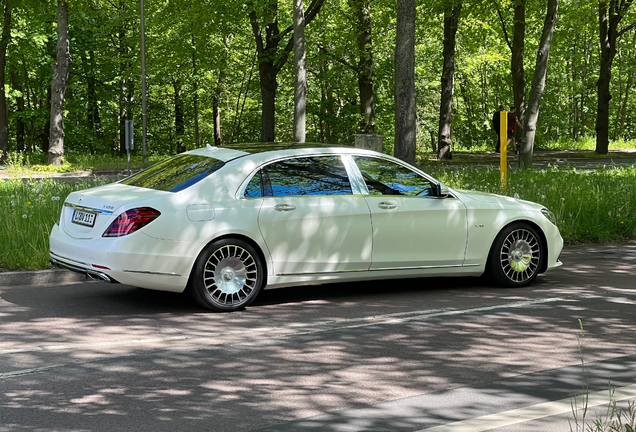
210,78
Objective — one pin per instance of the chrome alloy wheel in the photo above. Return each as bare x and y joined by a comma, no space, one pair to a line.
520,256
230,275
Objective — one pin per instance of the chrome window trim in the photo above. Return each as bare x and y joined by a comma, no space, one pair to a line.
241,189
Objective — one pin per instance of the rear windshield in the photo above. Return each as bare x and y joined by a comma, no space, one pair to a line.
175,174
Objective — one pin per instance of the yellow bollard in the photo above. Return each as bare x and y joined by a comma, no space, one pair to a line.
503,148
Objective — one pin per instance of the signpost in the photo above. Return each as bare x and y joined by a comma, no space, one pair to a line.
503,148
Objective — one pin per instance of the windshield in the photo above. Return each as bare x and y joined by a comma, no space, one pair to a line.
175,174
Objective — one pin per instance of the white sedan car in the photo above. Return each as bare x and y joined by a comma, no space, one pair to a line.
226,223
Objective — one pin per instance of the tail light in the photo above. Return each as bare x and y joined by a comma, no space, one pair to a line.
131,221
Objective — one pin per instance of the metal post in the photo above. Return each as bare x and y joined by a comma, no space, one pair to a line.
503,149
143,86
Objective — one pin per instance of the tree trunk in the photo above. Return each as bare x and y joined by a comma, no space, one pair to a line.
405,108
45,131
433,141
630,82
586,60
92,111
451,21
4,42
19,100
272,59
127,84
300,73
179,120
609,20
516,64
538,84
59,84
364,69
195,88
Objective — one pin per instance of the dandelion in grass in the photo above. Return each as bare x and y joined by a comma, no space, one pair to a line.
29,203
24,216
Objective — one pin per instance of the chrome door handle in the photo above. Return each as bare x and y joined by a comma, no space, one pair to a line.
387,205
284,207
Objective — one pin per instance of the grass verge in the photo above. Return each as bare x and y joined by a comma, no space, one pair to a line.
597,206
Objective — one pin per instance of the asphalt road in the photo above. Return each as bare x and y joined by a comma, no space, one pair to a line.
427,354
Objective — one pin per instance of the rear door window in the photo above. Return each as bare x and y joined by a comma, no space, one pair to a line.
175,174
319,175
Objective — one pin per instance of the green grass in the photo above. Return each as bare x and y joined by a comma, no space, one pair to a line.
22,164
586,143
28,210
597,206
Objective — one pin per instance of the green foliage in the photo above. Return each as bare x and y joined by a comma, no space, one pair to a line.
203,53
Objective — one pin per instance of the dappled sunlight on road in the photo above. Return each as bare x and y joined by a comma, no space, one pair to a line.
111,351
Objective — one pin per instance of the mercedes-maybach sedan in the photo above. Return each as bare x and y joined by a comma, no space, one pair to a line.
226,223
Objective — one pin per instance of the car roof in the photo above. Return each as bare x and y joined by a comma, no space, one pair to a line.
262,152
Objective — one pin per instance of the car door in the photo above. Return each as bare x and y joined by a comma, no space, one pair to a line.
311,220
411,227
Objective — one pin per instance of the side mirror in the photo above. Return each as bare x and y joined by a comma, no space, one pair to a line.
441,190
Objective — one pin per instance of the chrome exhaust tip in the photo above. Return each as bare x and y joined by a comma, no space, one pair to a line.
97,276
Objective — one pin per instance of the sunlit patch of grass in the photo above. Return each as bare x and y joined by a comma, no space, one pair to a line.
22,164
595,206
586,143
28,210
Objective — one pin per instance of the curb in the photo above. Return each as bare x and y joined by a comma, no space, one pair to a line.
39,277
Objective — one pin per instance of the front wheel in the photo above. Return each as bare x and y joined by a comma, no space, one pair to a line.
515,256
227,275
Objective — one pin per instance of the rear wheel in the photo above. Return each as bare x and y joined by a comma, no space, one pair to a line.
228,275
515,256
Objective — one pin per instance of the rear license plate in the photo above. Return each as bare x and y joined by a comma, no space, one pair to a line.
85,218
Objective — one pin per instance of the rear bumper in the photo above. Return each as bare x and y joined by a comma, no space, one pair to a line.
136,260
77,267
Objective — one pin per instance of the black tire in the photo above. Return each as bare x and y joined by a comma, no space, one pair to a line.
227,275
515,256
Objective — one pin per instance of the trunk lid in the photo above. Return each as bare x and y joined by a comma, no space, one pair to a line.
87,214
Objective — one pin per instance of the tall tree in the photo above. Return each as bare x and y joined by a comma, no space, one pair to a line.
300,72
517,49
609,18
538,84
4,42
405,106
451,22
272,58
59,84
364,68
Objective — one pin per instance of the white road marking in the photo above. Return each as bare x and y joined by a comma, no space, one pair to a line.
27,371
395,318
546,409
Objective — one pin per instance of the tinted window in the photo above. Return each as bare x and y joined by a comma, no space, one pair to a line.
384,177
325,175
175,174
253,188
